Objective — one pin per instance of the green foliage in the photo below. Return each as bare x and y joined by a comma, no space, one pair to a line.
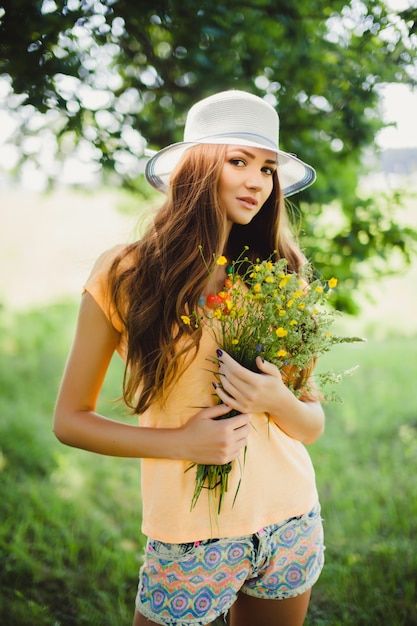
320,64
108,73
70,541
357,236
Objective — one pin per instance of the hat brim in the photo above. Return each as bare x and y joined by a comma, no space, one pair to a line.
294,175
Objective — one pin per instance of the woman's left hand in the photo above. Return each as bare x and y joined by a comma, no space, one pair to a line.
247,391
266,392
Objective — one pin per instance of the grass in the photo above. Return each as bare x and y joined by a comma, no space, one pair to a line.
69,536
365,467
70,542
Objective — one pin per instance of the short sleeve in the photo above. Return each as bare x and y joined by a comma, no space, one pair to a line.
97,285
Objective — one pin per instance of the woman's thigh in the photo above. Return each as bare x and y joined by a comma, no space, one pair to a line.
248,611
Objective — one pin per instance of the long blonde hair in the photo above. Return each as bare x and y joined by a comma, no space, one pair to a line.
166,271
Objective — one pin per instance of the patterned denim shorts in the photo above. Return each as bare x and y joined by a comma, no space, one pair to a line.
191,584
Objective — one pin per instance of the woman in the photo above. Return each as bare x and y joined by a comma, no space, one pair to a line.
225,186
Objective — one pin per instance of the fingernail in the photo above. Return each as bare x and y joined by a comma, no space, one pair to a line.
214,385
219,352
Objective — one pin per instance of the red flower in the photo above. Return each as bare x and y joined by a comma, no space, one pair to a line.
214,301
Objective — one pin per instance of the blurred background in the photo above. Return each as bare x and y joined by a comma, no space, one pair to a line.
86,89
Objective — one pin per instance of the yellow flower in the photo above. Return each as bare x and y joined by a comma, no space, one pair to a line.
269,279
281,332
282,313
217,313
257,288
298,293
186,319
269,265
293,323
332,283
221,260
284,279
235,342
319,289
315,311
328,334
290,303
281,353
302,306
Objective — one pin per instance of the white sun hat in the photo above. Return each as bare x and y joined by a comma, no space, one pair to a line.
233,118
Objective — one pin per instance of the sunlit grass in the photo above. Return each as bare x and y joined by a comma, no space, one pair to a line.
365,465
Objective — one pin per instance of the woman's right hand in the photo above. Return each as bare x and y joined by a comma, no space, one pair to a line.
205,440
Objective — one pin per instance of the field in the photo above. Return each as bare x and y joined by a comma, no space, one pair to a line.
70,542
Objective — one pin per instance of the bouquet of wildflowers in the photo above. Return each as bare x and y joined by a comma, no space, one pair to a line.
265,310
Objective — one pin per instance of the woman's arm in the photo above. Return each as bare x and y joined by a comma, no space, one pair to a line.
76,423
251,392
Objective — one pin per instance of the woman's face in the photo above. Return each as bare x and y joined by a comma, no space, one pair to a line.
246,182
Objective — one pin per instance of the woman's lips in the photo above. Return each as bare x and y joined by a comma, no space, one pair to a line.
248,201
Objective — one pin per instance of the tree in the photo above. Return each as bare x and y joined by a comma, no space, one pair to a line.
108,73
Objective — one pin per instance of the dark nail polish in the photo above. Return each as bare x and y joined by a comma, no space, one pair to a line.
214,385
219,352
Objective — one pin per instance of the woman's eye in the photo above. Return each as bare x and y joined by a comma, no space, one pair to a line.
268,170
238,162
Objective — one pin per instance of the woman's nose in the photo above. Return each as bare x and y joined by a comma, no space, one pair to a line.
254,180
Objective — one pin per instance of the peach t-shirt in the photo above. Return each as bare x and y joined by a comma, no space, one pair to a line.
277,475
